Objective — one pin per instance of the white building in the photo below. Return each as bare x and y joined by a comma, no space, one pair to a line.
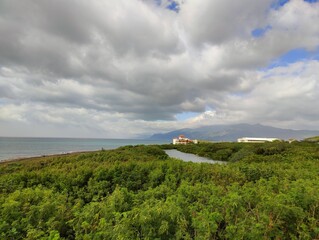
183,140
256,140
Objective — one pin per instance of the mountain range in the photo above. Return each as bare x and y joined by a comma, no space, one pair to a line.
233,132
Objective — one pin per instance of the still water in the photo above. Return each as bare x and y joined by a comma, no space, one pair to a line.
187,157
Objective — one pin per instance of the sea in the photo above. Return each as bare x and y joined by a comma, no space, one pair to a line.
15,148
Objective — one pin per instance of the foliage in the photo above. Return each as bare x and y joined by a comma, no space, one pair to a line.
312,139
266,191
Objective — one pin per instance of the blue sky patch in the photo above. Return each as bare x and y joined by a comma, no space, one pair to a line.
186,115
311,1
259,32
279,3
293,56
174,6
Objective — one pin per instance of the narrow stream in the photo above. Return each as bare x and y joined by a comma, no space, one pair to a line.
187,157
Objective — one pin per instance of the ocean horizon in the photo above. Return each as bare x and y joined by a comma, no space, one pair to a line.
24,147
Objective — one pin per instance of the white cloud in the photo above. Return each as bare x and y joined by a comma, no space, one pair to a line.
127,68
287,94
11,112
218,21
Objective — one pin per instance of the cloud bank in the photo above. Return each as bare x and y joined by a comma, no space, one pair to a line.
119,69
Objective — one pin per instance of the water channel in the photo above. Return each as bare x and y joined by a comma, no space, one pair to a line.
187,157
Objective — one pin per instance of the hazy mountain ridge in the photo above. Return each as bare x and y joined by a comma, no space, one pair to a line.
233,132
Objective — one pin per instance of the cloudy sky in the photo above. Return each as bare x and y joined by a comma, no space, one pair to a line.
126,69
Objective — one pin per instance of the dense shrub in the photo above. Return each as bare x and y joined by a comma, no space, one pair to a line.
266,191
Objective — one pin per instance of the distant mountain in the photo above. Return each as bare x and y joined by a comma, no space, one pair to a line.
233,132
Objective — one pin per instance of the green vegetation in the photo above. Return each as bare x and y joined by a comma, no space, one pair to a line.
312,139
267,191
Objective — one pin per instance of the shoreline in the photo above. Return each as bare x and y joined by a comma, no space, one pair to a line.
46,155
20,149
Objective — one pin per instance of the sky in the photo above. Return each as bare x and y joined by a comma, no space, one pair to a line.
128,69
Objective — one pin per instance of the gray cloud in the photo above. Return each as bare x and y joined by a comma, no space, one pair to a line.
105,66
220,21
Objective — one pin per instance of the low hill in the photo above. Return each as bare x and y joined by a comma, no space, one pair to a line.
233,132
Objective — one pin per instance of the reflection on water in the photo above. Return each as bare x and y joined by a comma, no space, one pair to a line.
187,157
